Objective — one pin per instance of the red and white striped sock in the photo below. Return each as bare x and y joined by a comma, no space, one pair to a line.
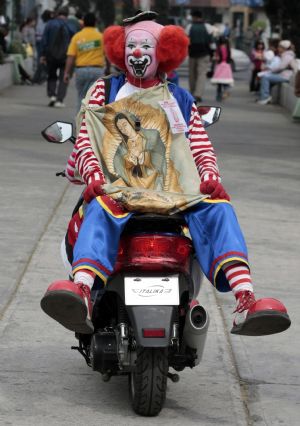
238,276
85,277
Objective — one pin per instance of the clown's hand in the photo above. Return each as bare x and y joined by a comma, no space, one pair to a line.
214,189
93,190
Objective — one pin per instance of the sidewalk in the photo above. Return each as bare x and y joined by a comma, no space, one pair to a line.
9,73
28,165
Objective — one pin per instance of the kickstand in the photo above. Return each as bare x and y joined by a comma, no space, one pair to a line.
174,377
83,352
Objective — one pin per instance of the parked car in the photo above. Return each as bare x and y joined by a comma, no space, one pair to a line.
240,60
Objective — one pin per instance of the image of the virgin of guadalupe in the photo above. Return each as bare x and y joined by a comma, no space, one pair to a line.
140,157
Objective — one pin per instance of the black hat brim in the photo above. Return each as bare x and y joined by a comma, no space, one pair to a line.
142,16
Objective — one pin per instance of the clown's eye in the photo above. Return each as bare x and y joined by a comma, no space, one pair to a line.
131,46
146,46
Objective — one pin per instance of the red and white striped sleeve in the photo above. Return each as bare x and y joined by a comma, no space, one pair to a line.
82,160
202,149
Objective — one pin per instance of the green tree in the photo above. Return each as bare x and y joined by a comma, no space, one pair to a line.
285,17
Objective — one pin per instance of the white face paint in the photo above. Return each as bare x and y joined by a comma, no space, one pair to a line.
140,54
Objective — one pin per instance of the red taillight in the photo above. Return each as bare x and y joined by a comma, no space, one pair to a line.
154,332
155,252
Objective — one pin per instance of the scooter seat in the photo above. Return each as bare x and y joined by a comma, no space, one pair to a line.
153,222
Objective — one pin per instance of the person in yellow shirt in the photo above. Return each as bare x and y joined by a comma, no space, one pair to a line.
85,54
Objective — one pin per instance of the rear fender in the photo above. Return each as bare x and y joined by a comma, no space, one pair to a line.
148,316
152,317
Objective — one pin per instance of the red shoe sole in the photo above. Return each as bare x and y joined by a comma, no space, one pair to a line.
263,323
68,309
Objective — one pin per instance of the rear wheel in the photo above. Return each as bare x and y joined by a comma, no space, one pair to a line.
148,383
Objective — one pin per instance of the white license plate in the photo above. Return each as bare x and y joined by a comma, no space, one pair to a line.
152,290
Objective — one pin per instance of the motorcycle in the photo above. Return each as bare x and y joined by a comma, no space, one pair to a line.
147,319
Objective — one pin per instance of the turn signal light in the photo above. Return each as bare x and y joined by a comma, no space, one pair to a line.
154,332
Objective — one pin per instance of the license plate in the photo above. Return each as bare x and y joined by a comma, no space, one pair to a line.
152,290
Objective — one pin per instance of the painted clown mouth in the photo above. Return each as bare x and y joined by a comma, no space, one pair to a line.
139,66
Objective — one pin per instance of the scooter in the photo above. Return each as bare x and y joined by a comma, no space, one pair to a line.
147,319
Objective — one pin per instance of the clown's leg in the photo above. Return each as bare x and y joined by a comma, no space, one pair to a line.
95,253
69,303
222,254
253,318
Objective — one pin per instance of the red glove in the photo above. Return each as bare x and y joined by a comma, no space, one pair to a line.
93,190
214,189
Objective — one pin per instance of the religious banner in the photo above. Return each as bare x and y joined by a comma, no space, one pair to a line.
143,151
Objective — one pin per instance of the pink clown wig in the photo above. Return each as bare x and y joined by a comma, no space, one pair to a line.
172,46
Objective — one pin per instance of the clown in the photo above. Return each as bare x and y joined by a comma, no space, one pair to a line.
145,51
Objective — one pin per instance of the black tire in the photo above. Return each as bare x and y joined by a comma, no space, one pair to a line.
148,383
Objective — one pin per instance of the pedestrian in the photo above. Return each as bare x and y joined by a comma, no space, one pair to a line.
280,74
86,53
257,59
199,55
222,76
41,71
297,83
271,59
27,30
238,35
73,21
40,27
55,42
79,16
3,34
227,30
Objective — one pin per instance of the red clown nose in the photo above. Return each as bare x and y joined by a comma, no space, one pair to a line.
137,53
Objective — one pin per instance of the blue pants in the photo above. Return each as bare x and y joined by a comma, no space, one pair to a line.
85,77
265,84
213,226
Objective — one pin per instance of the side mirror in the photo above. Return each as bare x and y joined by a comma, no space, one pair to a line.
58,132
209,115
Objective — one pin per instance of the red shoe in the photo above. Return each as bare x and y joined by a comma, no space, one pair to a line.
259,317
70,305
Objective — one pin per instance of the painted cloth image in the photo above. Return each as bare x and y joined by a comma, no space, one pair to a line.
147,166
137,153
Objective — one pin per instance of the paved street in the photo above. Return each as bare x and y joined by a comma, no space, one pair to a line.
241,381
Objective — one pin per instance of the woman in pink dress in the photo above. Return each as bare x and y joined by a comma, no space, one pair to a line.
257,59
222,76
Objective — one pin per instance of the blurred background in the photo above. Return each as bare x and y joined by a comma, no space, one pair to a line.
245,19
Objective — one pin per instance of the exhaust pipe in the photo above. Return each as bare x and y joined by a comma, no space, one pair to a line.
195,330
